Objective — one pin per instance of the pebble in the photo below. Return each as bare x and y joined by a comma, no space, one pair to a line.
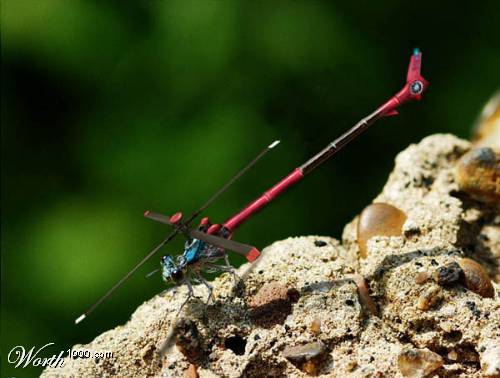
305,352
448,275
476,279
421,277
379,219
418,363
364,293
272,304
310,367
410,227
430,298
478,174
315,326
453,355
320,243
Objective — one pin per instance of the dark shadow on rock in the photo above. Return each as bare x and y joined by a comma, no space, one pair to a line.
391,262
470,237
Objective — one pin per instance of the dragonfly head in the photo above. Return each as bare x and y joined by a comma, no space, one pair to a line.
170,271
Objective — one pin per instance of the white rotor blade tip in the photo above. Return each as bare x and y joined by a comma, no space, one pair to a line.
274,144
80,318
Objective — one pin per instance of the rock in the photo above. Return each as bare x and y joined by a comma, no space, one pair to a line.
452,355
476,278
320,243
307,357
422,277
448,275
487,128
416,363
272,304
364,294
478,174
490,361
379,219
485,246
410,227
333,288
429,298
315,326
305,352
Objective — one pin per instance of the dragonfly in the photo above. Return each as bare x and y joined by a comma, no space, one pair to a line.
206,244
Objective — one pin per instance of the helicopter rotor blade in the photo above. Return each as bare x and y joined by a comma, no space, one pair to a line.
249,252
232,181
158,217
126,276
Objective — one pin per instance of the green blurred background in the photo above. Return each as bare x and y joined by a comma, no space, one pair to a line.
110,108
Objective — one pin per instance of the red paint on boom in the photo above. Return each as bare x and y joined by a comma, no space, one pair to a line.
264,199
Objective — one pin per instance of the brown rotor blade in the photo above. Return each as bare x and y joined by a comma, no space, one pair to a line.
251,253
158,217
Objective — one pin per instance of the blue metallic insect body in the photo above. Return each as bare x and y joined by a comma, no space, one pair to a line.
193,250
197,256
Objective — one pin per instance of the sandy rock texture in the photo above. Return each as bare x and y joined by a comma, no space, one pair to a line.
297,312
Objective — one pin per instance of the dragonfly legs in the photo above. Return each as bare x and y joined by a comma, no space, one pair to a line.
188,297
195,276
209,287
229,268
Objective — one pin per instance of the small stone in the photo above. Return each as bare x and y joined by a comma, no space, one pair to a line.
452,355
476,279
310,367
272,304
448,275
315,326
320,243
478,174
429,298
378,219
490,361
421,277
364,293
351,365
410,227
418,363
191,372
301,353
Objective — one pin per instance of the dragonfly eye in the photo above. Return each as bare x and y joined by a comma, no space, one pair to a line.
177,275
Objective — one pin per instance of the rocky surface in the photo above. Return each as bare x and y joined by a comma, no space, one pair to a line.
301,309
